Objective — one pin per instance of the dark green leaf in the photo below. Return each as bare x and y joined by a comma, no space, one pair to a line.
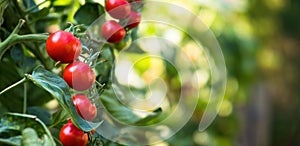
58,118
12,124
17,53
39,14
56,86
41,113
104,69
150,117
122,113
13,99
3,5
29,4
88,13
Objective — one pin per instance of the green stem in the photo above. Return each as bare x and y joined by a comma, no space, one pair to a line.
14,38
13,85
25,98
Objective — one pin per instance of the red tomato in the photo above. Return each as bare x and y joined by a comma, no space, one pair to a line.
79,76
70,135
112,31
63,46
118,9
84,107
134,20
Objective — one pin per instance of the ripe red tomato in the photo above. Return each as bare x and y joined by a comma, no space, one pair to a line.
84,107
70,135
134,20
63,46
112,31
118,9
79,76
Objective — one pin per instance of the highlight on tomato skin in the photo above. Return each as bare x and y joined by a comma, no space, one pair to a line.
112,31
79,76
84,107
70,135
63,46
118,9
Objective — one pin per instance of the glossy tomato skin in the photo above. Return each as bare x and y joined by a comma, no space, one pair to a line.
118,9
70,135
134,20
63,46
84,107
79,76
112,31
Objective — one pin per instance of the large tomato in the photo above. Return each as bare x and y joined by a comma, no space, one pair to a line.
84,107
70,135
112,31
118,9
63,46
79,76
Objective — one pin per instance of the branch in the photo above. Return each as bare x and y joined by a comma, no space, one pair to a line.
14,38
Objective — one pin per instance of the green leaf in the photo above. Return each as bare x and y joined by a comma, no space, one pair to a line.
12,124
40,14
3,5
30,137
58,118
103,70
29,4
124,114
56,86
9,74
88,13
41,113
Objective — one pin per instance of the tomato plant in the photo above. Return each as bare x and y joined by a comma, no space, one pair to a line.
84,107
63,46
48,34
112,31
70,135
79,76
118,9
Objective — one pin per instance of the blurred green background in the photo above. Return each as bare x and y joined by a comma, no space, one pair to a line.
260,41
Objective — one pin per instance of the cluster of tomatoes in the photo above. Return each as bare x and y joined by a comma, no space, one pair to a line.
111,30
64,47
